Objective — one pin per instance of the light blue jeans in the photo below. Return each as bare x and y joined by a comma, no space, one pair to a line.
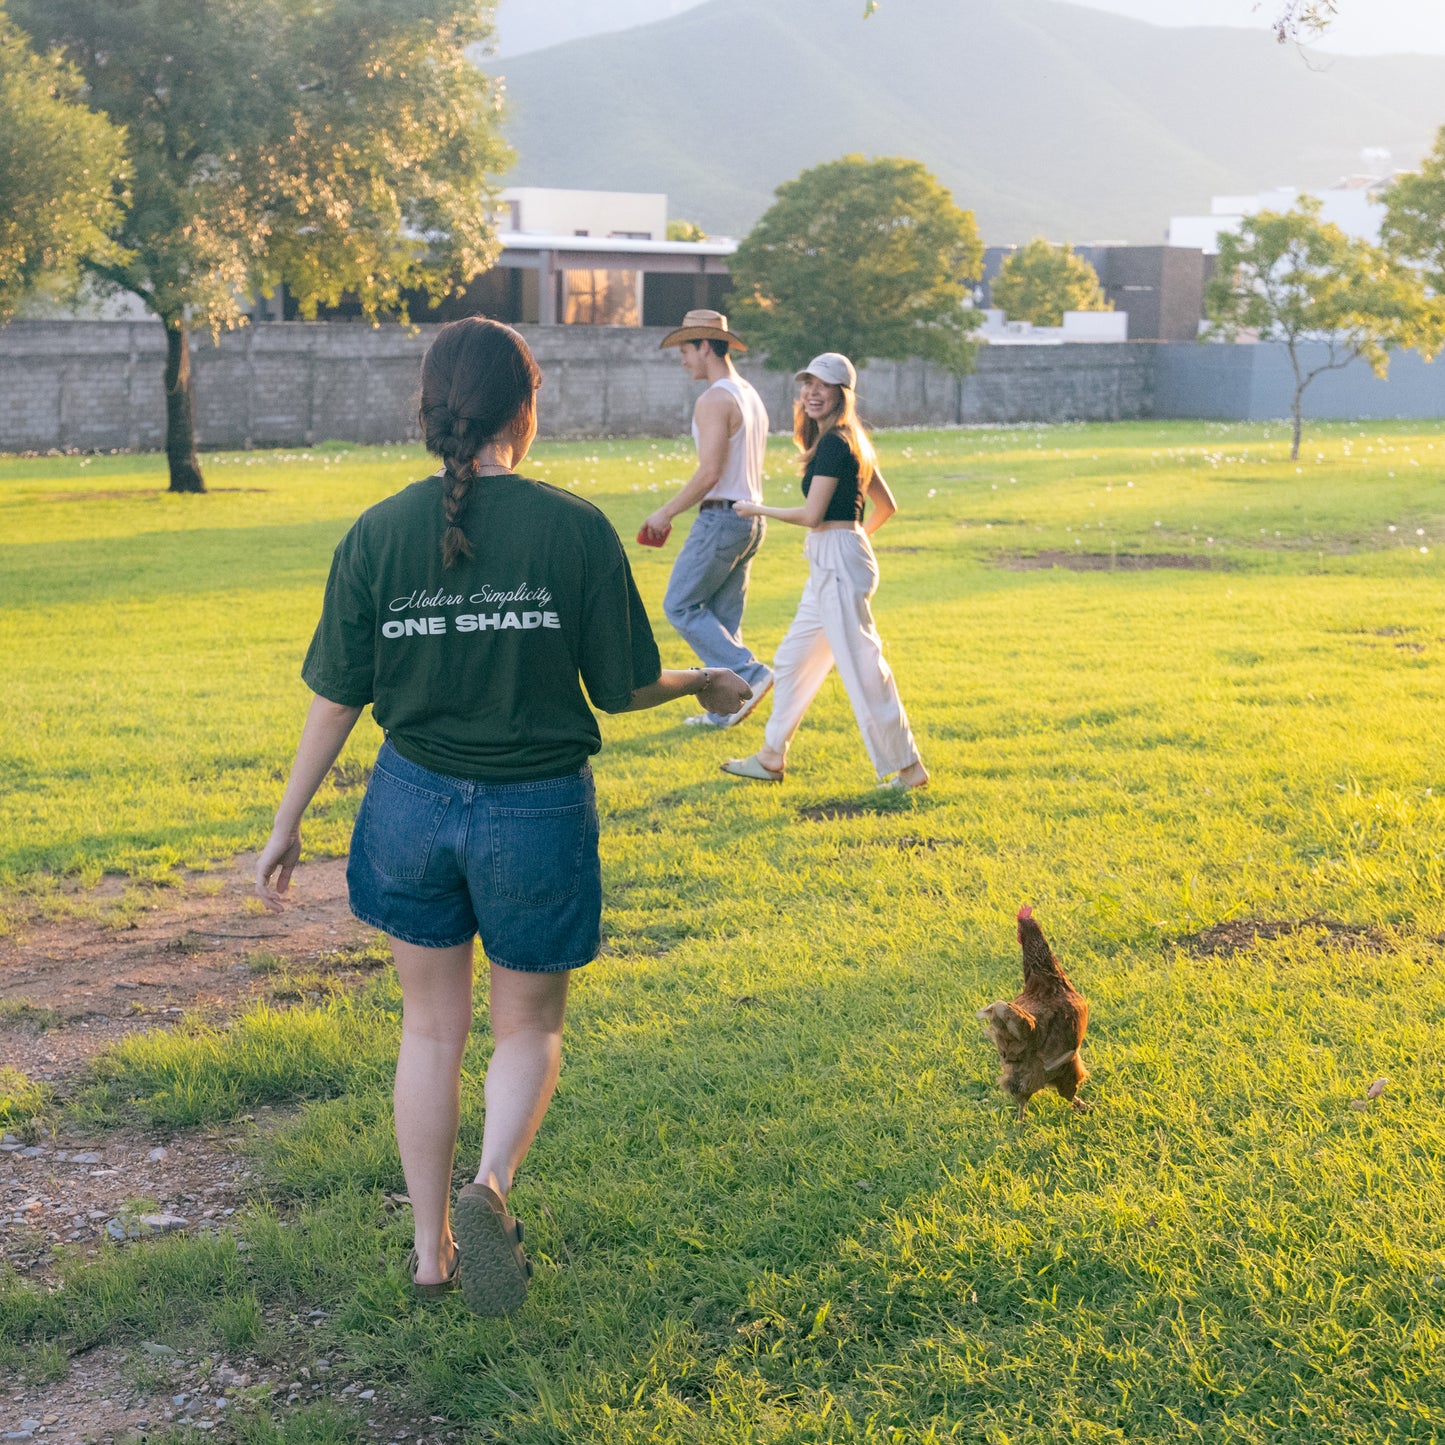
709,587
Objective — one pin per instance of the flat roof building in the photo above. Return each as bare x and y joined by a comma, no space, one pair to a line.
583,258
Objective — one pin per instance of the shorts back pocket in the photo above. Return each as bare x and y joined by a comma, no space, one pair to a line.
537,852
400,826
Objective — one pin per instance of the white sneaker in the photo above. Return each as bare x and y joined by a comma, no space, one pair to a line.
707,720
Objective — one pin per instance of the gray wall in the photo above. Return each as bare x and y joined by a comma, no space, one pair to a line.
87,385
96,385
1256,383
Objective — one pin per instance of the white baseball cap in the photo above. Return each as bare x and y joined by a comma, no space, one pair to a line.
832,367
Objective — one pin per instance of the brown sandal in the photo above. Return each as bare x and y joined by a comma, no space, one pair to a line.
495,1270
441,1287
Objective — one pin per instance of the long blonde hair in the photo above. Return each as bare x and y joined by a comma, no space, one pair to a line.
807,433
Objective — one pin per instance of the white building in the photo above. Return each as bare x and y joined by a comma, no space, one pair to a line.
1353,205
1095,326
620,215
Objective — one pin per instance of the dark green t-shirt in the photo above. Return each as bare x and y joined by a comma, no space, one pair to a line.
476,670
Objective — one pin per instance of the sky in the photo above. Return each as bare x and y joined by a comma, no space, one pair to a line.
1363,27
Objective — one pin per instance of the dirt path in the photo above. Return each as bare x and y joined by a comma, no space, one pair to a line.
69,987
91,981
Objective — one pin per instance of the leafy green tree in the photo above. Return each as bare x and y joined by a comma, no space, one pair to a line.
685,231
62,172
869,257
338,146
1414,225
1287,276
1039,282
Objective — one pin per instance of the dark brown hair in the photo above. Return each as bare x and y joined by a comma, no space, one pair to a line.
477,378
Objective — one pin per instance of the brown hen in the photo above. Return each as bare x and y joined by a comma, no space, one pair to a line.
1038,1035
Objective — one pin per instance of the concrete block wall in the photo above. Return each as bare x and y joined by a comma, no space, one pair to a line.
97,385
1256,383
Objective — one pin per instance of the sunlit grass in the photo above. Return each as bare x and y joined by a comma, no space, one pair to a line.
779,1197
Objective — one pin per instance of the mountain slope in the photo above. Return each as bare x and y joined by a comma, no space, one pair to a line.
1042,117
524,25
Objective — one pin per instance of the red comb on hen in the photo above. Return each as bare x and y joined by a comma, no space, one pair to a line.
1025,912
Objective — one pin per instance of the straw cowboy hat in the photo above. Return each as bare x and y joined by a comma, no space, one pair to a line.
704,326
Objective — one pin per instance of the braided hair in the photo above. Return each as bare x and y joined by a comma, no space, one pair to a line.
478,377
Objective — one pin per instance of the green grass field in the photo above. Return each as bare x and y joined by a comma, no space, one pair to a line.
779,1198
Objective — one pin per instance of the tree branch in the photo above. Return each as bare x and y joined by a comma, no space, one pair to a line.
117,277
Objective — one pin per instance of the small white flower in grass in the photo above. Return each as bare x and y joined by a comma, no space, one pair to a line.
1130,484
1419,531
1424,549
1158,524
933,491
1392,527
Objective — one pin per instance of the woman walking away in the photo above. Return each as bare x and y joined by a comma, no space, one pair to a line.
469,610
835,621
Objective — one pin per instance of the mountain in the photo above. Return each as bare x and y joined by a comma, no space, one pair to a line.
1042,117
524,25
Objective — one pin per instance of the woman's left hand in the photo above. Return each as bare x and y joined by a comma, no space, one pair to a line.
275,866
748,509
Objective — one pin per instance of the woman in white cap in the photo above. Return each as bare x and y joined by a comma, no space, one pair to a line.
834,622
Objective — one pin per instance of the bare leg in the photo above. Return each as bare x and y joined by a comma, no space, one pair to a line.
436,993
527,1010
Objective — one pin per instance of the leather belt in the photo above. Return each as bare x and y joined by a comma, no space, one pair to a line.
714,505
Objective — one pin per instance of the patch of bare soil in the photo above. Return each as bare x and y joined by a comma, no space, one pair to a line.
1221,940
70,986
65,1189
1121,562
126,1393
883,802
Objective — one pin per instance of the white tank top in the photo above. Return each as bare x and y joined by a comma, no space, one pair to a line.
742,478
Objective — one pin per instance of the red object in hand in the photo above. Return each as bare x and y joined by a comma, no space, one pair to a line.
648,538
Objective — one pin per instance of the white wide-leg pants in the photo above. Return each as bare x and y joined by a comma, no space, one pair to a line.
835,624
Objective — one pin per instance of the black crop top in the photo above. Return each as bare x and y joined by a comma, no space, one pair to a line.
834,458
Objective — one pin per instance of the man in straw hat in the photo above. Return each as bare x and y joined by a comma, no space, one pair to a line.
709,584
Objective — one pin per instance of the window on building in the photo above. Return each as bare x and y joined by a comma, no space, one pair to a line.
602,298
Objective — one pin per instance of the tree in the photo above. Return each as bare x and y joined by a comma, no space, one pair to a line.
870,257
338,146
1297,21
1039,282
1290,277
62,171
1414,226
685,231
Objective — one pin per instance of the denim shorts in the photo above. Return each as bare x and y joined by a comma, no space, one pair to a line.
436,860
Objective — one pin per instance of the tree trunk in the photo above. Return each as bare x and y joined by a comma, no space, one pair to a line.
180,412
1296,410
